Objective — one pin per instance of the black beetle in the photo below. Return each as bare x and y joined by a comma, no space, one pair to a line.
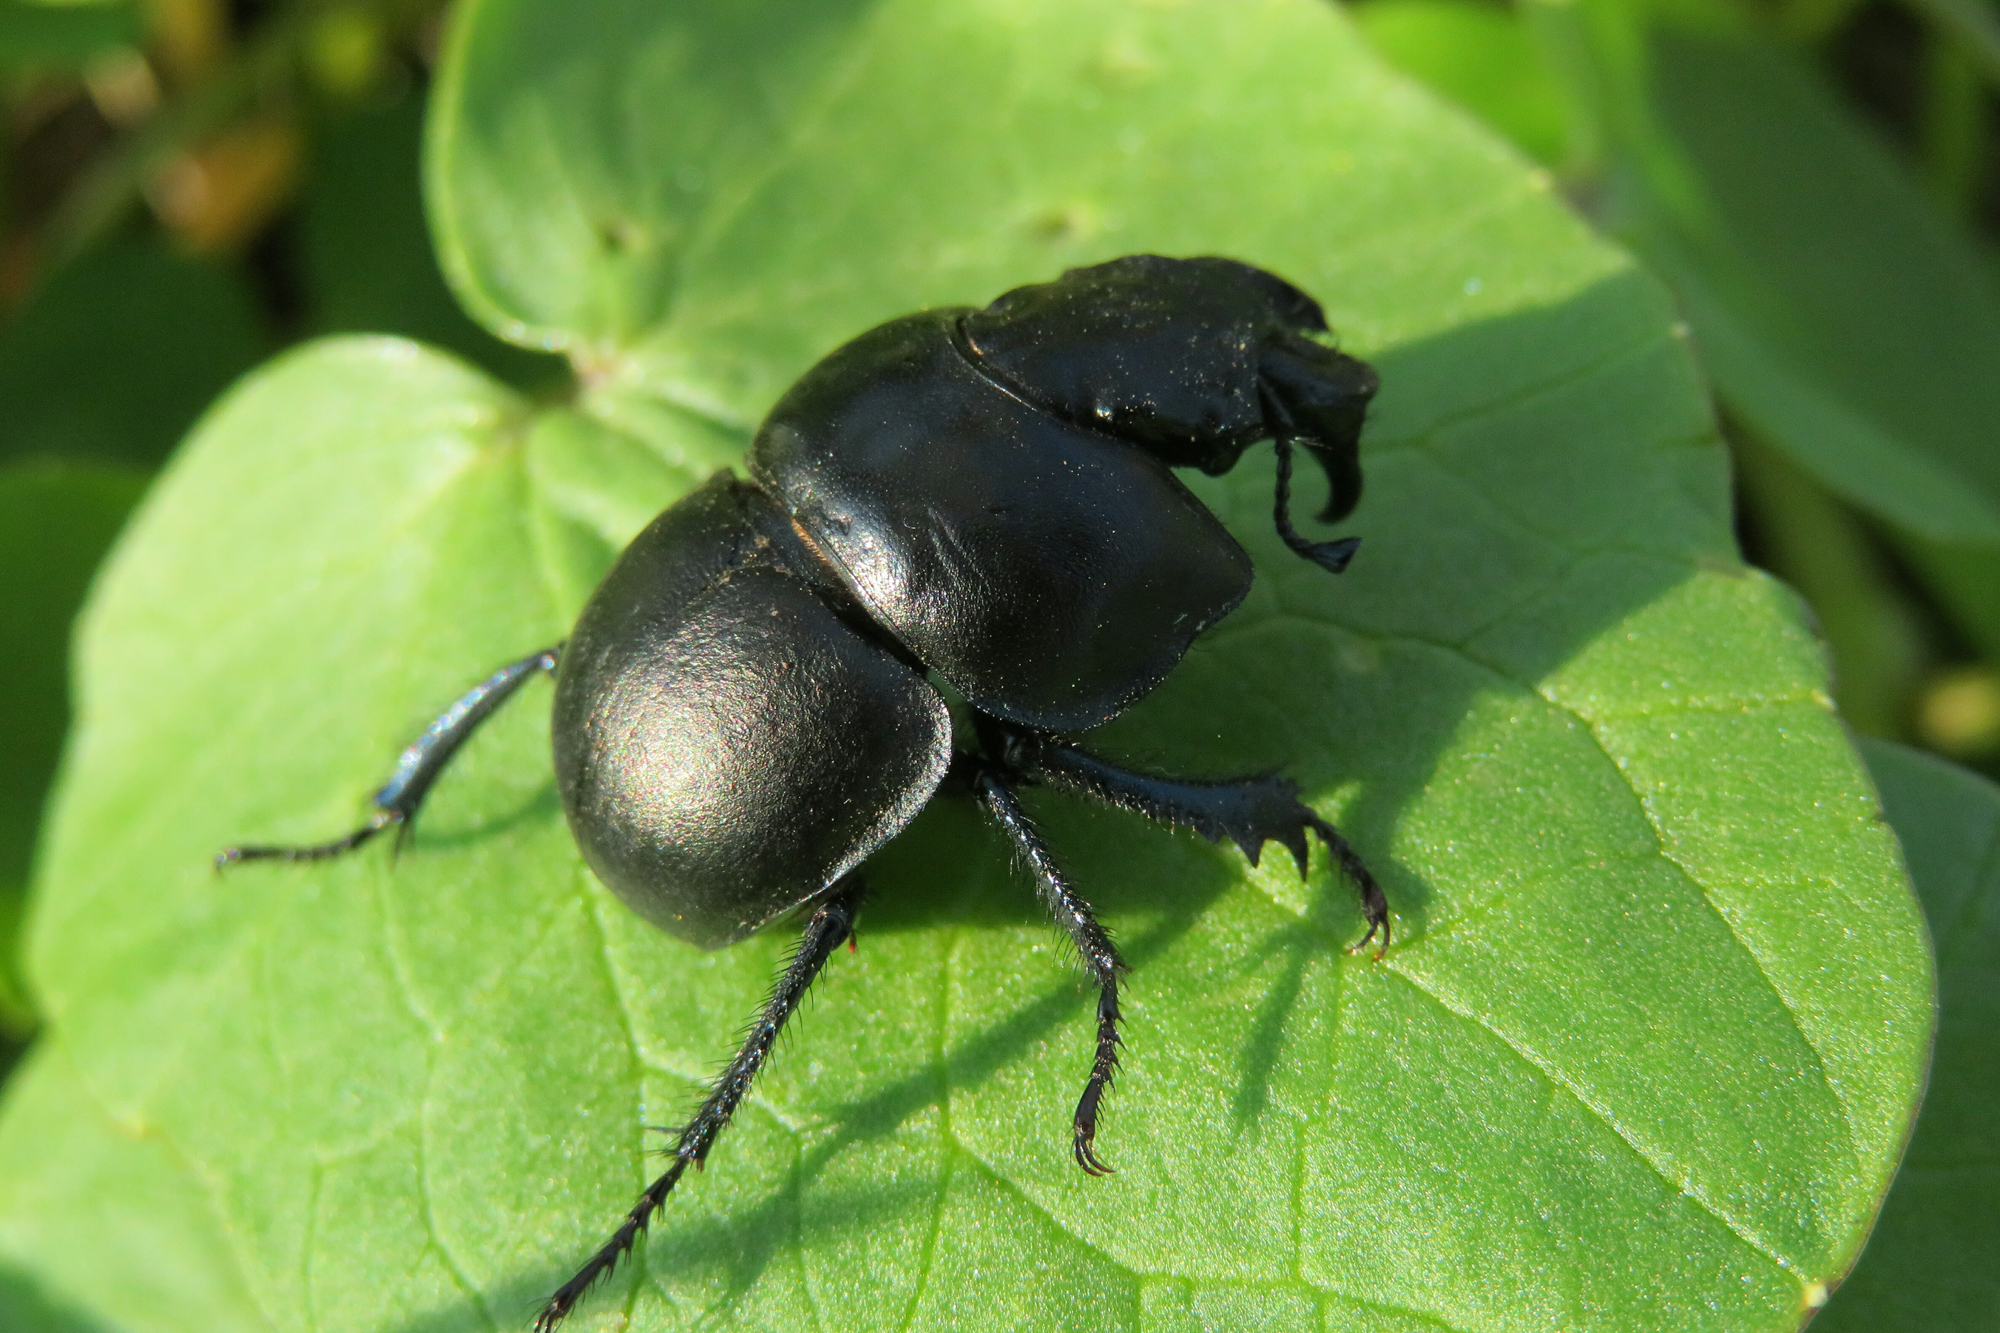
744,713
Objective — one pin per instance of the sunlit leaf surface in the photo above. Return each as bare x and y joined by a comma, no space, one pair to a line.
1644,1052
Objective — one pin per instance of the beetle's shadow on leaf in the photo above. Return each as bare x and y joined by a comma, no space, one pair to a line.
734,1251
440,831
1299,945
1319,678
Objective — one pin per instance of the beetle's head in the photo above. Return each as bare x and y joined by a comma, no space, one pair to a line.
1317,397
1192,360
1162,353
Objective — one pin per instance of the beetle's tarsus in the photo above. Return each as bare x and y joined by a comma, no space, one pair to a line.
1091,1163
322,851
1102,1072
612,1252
1075,916
1374,903
1333,557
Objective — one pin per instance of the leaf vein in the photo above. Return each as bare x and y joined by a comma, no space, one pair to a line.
1455,925
1008,1186
1426,437
1688,1188
212,1195
1389,1307
927,1256
1752,953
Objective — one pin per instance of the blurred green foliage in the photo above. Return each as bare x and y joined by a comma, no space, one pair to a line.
114,355
113,340
1850,323
36,37
1930,1262
57,518
190,185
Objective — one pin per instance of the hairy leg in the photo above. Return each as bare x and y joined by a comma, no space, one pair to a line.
830,925
1100,957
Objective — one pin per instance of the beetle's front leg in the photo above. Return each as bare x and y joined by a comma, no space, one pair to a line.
1247,811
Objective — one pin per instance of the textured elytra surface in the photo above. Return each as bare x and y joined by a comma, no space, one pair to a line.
1642,1056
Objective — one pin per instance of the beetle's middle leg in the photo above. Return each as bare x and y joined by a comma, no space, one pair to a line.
1074,915
1247,811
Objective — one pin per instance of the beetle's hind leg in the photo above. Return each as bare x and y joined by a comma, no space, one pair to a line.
829,926
1100,957
419,766
1247,811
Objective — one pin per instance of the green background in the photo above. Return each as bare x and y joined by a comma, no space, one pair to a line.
1644,1054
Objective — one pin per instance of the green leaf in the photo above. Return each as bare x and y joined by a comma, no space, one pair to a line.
1482,57
1842,316
366,253
1929,1264
113,358
56,521
1641,1058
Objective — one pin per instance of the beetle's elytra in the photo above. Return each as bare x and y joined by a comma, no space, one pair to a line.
745,711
